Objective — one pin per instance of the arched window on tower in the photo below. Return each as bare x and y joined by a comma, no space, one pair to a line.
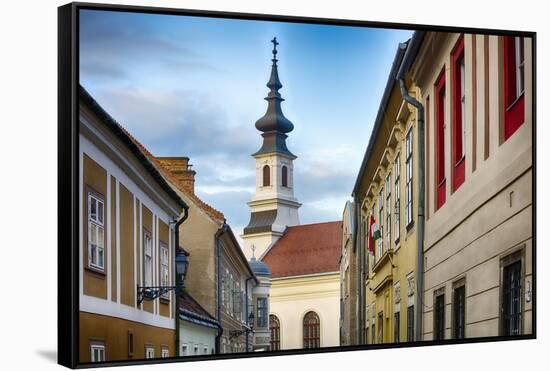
312,330
285,176
275,329
267,181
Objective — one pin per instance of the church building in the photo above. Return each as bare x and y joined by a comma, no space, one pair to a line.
303,260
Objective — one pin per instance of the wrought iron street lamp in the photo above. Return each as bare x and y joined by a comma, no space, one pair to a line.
153,292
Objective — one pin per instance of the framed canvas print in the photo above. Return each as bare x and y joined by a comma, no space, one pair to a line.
244,185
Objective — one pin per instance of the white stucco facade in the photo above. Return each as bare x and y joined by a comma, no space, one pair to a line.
196,339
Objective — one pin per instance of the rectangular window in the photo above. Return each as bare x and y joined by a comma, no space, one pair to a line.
440,192
459,311
459,125
196,349
410,323
511,299
380,328
164,352
130,343
261,308
388,211
379,242
96,251
397,197
149,352
205,350
409,177
396,327
184,350
373,334
370,239
148,259
97,352
164,276
439,317
514,84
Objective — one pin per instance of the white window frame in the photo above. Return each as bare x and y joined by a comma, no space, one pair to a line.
164,268
149,352
520,65
147,259
463,103
96,222
100,348
184,350
409,176
164,352
380,244
388,210
195,349
205,349
397,197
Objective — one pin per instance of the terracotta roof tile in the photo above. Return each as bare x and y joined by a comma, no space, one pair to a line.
306,249
190,306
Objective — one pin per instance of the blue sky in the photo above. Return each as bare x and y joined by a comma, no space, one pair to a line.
192,86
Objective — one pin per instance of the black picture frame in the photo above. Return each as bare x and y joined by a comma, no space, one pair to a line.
68,173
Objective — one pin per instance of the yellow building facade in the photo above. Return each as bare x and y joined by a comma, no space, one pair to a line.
386,192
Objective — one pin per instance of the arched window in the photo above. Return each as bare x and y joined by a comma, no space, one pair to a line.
266,176
312,333
285,176
275,329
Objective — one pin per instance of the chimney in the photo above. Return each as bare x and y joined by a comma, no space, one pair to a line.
181,170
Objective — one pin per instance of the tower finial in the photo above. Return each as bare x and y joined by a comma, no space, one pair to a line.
275,43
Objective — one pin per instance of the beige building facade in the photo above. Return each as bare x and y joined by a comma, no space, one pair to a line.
478,96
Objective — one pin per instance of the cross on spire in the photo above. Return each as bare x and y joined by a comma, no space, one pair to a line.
275,43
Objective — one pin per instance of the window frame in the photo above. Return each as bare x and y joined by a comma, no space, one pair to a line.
515,258
262,315
266,174
147,264
439,315
409,176
410,323
284,176
397,198
164,281
275,332
380,244
99,226
396,327
149,351
459,311
388,187
311,331
440,178
459,112
100,347
164,352
514,100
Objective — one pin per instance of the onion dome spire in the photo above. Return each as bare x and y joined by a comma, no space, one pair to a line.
274,124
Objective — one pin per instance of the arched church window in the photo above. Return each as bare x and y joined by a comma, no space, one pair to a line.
275,329
267,180
285,176
312,330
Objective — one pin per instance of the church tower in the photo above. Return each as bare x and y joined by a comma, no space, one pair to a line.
273,207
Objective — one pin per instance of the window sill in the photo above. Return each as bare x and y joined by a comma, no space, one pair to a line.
96,271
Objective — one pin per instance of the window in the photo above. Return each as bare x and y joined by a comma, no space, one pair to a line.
380,243
373,334
514,84
164,352
184,350
148,259
397,198
266,174
440,140
388,210
459,125
396,325
96,252
410,323
164,281
459,311
285,176
261,308
196,349
130,343
409,177
149,352
311,329
371,241
511,295
97,351
439,316
205,350
275,329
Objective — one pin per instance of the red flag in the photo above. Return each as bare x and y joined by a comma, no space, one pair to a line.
371,241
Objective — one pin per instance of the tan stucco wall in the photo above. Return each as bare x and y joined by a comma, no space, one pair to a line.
292,298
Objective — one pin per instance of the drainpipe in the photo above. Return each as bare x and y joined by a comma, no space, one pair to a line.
176,248
410,53
220,231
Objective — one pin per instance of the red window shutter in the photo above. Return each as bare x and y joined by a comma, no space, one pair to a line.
458,167
514,107
440,140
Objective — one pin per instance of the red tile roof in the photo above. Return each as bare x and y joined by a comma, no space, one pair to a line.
306,249
189,307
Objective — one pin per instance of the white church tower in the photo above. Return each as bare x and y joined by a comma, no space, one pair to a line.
273,207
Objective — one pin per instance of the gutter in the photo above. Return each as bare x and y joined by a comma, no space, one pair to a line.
176,248
410,54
